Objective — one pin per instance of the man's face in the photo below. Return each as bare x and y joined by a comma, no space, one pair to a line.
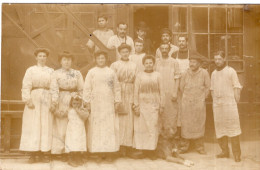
164,48
102,22
141,33
121,29
182,42
165,38
124,53
194,65
139,47
219,61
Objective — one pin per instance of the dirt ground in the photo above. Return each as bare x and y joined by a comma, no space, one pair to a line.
250,161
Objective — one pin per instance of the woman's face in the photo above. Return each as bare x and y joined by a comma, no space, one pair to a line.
66,63
41,58
124,54
148,65
101,60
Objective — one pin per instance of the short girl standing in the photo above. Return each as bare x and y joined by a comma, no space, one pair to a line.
75,141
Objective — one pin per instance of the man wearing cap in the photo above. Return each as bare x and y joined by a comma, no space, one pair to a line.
166,36
116,40
194,85
141,32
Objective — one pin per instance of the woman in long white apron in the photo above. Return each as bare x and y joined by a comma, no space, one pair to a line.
101,95
37,119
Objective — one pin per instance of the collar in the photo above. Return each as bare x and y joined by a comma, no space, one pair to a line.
222,67
148,71
124,59
183,50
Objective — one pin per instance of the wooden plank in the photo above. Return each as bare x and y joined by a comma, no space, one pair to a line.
85,30
47,26
7,134
21,29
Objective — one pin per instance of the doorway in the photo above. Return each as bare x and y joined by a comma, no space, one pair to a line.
155,17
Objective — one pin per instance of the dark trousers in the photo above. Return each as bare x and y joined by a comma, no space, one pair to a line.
223,143
198,144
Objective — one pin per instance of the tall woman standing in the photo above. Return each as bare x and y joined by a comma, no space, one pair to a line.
37,119
64,82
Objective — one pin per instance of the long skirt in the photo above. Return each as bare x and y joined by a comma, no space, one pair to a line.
37,123
60,124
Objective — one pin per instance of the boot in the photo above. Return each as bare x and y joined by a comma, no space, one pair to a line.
223,143
236,148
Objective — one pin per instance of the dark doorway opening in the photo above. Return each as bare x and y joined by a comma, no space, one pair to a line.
156,18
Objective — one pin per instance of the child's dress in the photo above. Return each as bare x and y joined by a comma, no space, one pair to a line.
75,140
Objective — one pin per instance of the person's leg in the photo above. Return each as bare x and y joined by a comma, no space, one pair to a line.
236,148
72,159
44,157
33,157
184,146
199,145
223,143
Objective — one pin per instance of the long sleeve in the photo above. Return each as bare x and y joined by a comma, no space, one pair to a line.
136,90
117,89
80,84
182,82
54,88
235,80
27,86
110,43
87,88
162,94
207,83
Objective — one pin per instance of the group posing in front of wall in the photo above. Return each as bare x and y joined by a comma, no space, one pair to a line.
140,106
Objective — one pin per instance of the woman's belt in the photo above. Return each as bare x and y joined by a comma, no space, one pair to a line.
69,90
45,88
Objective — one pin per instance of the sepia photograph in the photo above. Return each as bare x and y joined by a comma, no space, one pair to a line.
128,86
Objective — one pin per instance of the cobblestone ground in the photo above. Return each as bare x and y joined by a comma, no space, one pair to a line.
250,161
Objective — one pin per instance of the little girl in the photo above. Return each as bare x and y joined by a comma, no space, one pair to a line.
75,141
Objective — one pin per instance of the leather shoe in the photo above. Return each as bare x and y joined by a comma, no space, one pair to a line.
223,155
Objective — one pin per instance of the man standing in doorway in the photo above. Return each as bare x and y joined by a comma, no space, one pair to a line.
166,37
115,41
225,91
141,32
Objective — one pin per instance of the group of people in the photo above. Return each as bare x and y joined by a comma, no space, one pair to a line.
139,105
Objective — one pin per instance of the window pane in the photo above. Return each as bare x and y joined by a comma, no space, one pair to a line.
217,19
199,20
179,19
235,20
235,47
217,43
202,44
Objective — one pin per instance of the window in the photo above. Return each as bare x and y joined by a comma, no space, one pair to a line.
211,28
